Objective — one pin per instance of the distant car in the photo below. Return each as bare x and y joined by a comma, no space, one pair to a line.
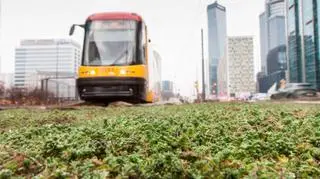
260,97
295,90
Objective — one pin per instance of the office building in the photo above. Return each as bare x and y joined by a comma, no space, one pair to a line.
277,32
294,41
167,90
303,41
272,29
263,42
39,59
276,64
275,8
277,60
217,34
167,86
240,65
311,41
272,42
266,82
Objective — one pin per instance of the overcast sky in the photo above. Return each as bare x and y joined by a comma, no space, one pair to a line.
174,27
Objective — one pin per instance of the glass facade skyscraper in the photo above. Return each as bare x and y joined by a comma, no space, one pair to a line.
275,19
303,41
272,29
275,8
277,32
272,43
294,41
309,41
217,35
317,40
263,42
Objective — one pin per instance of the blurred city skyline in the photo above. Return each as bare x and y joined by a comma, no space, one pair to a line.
174,27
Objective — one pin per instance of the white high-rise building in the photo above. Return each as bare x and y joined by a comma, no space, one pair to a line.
238,67
38,59
241,65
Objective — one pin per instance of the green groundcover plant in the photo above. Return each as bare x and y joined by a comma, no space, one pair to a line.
187,141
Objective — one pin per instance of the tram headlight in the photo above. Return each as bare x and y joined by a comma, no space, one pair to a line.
123,72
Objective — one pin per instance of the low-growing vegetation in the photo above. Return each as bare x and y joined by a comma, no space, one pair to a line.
187,141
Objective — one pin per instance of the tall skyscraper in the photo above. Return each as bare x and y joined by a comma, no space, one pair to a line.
303,41
240,65
272,44
272,29
263,42
217,34
294,41
43,58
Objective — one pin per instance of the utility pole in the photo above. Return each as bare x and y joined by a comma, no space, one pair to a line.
203,81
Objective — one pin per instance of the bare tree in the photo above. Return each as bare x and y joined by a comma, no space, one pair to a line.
15,95
20,96
2,90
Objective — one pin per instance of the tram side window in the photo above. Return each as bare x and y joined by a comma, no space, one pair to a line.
141,55
144,44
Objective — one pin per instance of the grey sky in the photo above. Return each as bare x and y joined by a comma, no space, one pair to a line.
174,27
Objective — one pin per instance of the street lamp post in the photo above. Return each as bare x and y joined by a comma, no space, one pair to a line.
57,73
